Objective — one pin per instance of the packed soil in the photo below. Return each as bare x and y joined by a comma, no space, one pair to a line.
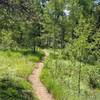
38,87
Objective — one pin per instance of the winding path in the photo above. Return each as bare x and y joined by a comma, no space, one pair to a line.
39,89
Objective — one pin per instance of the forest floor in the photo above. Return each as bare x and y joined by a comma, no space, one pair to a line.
39,89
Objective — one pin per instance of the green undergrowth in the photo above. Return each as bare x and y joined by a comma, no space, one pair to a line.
61,77
15,67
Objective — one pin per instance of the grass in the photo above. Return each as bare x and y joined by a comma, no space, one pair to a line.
60,76
15,67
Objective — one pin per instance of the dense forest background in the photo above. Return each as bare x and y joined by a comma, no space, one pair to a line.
56,23
71,28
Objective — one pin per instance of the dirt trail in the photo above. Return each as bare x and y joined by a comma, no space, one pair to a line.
39,89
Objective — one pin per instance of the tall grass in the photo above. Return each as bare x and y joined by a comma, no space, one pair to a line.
60,76
15,67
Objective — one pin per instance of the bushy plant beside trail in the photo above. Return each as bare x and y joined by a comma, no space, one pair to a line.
61,76
15,89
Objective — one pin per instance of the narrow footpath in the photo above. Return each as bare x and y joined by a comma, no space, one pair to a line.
38,87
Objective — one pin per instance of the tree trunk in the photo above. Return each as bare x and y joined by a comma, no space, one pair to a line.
34,46
79,79
21,38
